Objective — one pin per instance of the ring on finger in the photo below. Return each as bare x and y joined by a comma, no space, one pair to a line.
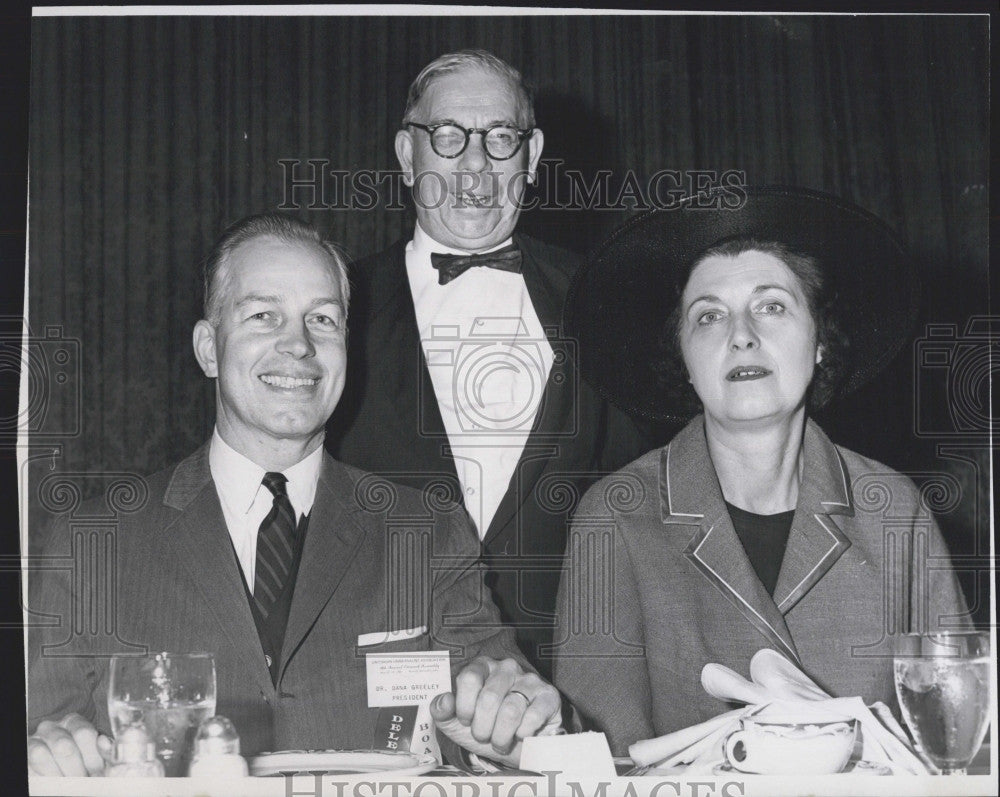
521,694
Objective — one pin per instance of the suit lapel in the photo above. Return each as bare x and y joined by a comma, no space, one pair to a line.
529,469
815,542
559,394
690,495
409,393
201,543
331,543
541,446
547,287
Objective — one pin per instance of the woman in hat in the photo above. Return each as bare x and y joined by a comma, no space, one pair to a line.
751,529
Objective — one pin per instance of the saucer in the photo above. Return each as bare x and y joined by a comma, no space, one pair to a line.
341,762
852,768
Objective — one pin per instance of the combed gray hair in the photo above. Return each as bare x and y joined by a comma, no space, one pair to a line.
273,224
480,59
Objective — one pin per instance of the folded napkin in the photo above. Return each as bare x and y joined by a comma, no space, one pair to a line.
777,687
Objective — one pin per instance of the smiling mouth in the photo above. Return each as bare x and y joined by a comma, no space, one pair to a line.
277,380
470,200
743,373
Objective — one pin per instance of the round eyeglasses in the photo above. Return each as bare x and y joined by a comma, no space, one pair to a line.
448,140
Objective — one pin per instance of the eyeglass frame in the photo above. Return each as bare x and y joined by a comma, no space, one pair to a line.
522,136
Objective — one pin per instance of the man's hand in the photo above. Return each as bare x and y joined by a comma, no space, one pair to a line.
497,704
70,747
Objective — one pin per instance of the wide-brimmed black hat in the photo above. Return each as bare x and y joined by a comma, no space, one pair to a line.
621,298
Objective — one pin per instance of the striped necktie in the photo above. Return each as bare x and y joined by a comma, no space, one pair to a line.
275,546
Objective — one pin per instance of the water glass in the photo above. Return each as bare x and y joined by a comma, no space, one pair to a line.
943,687
170,694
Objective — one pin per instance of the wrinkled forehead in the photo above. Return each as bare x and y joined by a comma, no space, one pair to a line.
472,90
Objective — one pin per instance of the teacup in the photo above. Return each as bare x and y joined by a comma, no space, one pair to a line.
776,746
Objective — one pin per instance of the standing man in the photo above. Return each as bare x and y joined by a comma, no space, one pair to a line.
264,551
460,378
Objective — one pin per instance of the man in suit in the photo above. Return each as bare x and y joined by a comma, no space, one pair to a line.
308,578
460,377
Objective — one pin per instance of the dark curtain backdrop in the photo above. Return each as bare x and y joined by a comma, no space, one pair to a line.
150,134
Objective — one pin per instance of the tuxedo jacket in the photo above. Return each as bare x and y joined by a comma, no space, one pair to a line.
377,558
389,423
658,585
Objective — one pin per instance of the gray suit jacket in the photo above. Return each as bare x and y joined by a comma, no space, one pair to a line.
377,557
657,584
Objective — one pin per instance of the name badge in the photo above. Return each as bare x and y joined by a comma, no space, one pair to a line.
396,679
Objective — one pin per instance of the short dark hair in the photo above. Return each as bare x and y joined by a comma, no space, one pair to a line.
270,224
461,59
820,299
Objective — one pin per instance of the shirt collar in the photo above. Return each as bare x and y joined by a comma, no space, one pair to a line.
238,479
422,244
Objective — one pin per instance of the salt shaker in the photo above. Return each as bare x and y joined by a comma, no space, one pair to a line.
135,755
217,751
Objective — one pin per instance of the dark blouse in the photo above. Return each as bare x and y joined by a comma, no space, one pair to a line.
764,538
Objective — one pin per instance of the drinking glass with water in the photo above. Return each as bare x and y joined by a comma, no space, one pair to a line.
170,694
943,687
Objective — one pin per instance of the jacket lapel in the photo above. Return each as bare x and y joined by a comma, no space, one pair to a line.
690,495
331,543
815,542
557,399
547,287
411,405
201,543
539,450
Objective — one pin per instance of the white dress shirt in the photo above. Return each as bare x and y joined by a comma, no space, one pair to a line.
246,501
489,361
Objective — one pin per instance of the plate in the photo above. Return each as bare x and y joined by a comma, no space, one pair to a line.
852,768
341,762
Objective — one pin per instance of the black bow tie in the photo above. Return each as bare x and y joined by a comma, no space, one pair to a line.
451,266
